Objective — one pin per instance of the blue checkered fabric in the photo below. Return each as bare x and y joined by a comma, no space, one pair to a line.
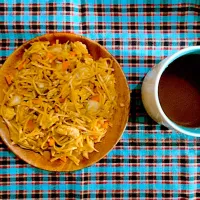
150,161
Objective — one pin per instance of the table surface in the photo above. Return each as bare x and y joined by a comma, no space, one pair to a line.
150,161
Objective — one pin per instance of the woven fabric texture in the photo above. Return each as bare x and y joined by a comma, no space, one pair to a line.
150,161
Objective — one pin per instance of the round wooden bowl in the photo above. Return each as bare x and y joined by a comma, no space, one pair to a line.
119,119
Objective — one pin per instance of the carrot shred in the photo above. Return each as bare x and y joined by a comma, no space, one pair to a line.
105,124
37,101
9,78
64,159
72,53
61,100
94,137
30,125
51,142
65,65
21,66
95,98
52,59
56,108
50,55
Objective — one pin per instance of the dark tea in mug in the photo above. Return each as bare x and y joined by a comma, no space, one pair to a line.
179,91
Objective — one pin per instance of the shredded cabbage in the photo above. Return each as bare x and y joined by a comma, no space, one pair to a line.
60,100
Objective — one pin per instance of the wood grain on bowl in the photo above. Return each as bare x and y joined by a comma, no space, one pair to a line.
119,119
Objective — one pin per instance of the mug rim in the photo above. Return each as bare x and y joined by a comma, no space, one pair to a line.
160,72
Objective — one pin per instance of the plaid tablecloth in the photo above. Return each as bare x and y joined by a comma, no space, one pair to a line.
150,161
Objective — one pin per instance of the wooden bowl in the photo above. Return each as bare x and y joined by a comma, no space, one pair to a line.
119,120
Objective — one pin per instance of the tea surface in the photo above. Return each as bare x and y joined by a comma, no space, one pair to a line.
179,91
